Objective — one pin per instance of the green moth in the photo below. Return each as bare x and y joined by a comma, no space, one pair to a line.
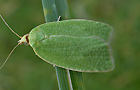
79,45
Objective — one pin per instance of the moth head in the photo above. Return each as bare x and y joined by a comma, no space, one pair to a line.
24,40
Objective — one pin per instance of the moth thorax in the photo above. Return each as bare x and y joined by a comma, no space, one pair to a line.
24,40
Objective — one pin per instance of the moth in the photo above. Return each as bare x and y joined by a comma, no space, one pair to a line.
76,44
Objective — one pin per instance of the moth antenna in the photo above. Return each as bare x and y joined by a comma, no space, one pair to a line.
9,27
8,56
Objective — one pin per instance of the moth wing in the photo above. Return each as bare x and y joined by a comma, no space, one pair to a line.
79,45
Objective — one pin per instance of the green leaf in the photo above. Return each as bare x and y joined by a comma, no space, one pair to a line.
80,45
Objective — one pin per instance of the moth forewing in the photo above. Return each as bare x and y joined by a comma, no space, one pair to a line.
79,45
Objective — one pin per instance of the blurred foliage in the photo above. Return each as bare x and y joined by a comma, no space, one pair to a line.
25,71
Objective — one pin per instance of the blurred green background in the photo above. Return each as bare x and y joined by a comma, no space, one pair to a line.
25,71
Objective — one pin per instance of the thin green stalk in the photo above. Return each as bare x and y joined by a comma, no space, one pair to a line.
76,79
50,14
63,80
60,8
50,11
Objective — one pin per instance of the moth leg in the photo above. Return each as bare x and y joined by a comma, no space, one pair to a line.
53,65
58,18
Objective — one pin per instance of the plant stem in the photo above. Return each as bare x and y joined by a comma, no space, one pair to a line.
62,9
76,79
63,80
50,14
53,9
50,11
